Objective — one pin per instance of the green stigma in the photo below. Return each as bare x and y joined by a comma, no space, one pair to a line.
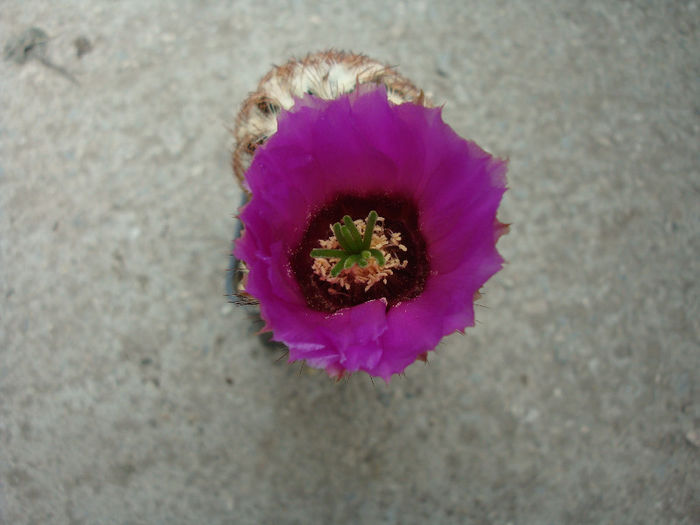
355,248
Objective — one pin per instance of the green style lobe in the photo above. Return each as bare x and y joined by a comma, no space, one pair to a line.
348,239
337,230
357,240
378,256
369,229
319,252
351,261
338,267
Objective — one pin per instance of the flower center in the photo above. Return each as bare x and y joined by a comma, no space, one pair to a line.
358,252
379,257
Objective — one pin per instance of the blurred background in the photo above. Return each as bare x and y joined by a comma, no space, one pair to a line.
132,392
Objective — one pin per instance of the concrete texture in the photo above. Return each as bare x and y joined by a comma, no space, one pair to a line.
131,392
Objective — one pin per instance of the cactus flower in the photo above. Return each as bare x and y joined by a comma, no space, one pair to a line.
370,229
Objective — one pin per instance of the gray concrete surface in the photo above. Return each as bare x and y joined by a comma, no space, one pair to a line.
131,392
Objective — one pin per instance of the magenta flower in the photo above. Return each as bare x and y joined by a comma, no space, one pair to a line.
435,196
